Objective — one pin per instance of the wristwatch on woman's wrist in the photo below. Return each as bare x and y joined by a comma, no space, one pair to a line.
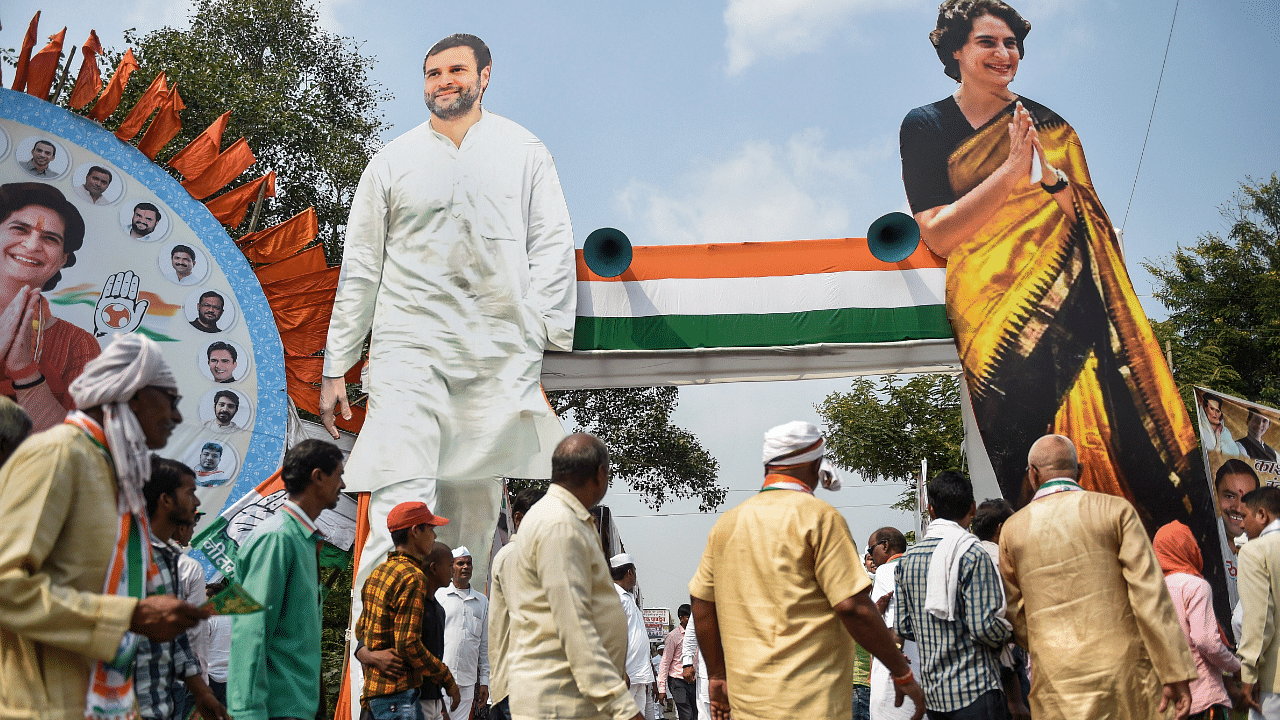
1058,186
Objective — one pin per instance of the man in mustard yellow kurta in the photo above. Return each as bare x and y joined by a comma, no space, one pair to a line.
1087,597
780,596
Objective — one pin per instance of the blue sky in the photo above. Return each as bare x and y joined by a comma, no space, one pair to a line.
745,120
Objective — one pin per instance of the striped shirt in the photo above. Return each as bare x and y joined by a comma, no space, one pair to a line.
959,660
160,667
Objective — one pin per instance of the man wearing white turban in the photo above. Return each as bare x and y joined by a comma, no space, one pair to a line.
74,589
779,597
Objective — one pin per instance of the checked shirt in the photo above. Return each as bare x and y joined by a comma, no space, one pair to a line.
959,660
395,603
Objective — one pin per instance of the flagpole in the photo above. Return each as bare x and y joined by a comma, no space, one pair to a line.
63,81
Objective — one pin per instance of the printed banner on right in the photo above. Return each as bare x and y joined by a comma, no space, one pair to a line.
1236,438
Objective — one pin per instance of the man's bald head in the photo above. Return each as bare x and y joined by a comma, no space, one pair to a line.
1054,456
577,459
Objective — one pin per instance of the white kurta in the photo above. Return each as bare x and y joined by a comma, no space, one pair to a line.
882,692
460,262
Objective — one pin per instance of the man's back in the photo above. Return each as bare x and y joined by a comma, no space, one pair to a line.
568,632
1084,585
775,566
1259,584
960,659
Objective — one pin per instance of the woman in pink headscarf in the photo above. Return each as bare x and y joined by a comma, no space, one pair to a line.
1180,559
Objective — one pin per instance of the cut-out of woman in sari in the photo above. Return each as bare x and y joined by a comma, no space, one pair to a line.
1048,328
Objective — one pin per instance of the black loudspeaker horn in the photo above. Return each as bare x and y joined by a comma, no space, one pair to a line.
607,252
893,237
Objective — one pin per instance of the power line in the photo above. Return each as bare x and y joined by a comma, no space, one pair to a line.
719,512
1152,118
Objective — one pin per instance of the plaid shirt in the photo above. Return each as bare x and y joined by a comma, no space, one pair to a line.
395,602
161,667
959,660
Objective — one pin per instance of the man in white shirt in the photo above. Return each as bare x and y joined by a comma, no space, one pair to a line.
639,669
466,635
695,670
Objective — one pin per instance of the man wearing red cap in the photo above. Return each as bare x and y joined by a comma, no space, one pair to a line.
395,600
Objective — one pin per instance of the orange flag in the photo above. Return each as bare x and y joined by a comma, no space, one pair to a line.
115,87
225,168
88,80
200,153
142,110
24,57
326,279
44,66
283,240
308,261
229,208
165,127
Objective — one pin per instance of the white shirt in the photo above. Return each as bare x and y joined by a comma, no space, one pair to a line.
460,261
219,644
638,667
191,587
466,634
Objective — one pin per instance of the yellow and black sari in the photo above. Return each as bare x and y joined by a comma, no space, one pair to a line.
1052,338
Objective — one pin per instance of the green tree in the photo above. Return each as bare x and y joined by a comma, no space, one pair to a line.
1223,297
301,96
657,459
881,430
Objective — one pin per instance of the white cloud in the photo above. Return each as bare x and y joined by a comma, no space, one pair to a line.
763,191
781,28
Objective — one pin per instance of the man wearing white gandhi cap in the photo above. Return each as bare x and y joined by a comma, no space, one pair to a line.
466,634
639,670
779,597
74,586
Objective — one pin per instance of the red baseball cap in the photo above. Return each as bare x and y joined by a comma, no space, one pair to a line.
412,514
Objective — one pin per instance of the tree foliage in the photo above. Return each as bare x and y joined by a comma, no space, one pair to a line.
660,461
1223,297
301,96
881,430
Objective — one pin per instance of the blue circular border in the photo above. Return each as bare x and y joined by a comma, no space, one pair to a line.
266,447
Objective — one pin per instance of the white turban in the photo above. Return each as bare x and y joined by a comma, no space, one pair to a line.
461,551
130,363
794,436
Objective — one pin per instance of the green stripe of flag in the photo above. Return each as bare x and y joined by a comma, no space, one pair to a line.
841,325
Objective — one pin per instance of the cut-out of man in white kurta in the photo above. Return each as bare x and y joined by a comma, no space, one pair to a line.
459,267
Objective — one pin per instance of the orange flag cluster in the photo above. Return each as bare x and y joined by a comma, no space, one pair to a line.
300,288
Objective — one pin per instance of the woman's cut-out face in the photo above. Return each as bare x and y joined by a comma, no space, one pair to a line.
990,55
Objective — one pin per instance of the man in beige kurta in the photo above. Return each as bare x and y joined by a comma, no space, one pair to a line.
58,524
1087,598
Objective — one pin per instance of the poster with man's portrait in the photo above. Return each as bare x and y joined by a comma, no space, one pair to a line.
1237,439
